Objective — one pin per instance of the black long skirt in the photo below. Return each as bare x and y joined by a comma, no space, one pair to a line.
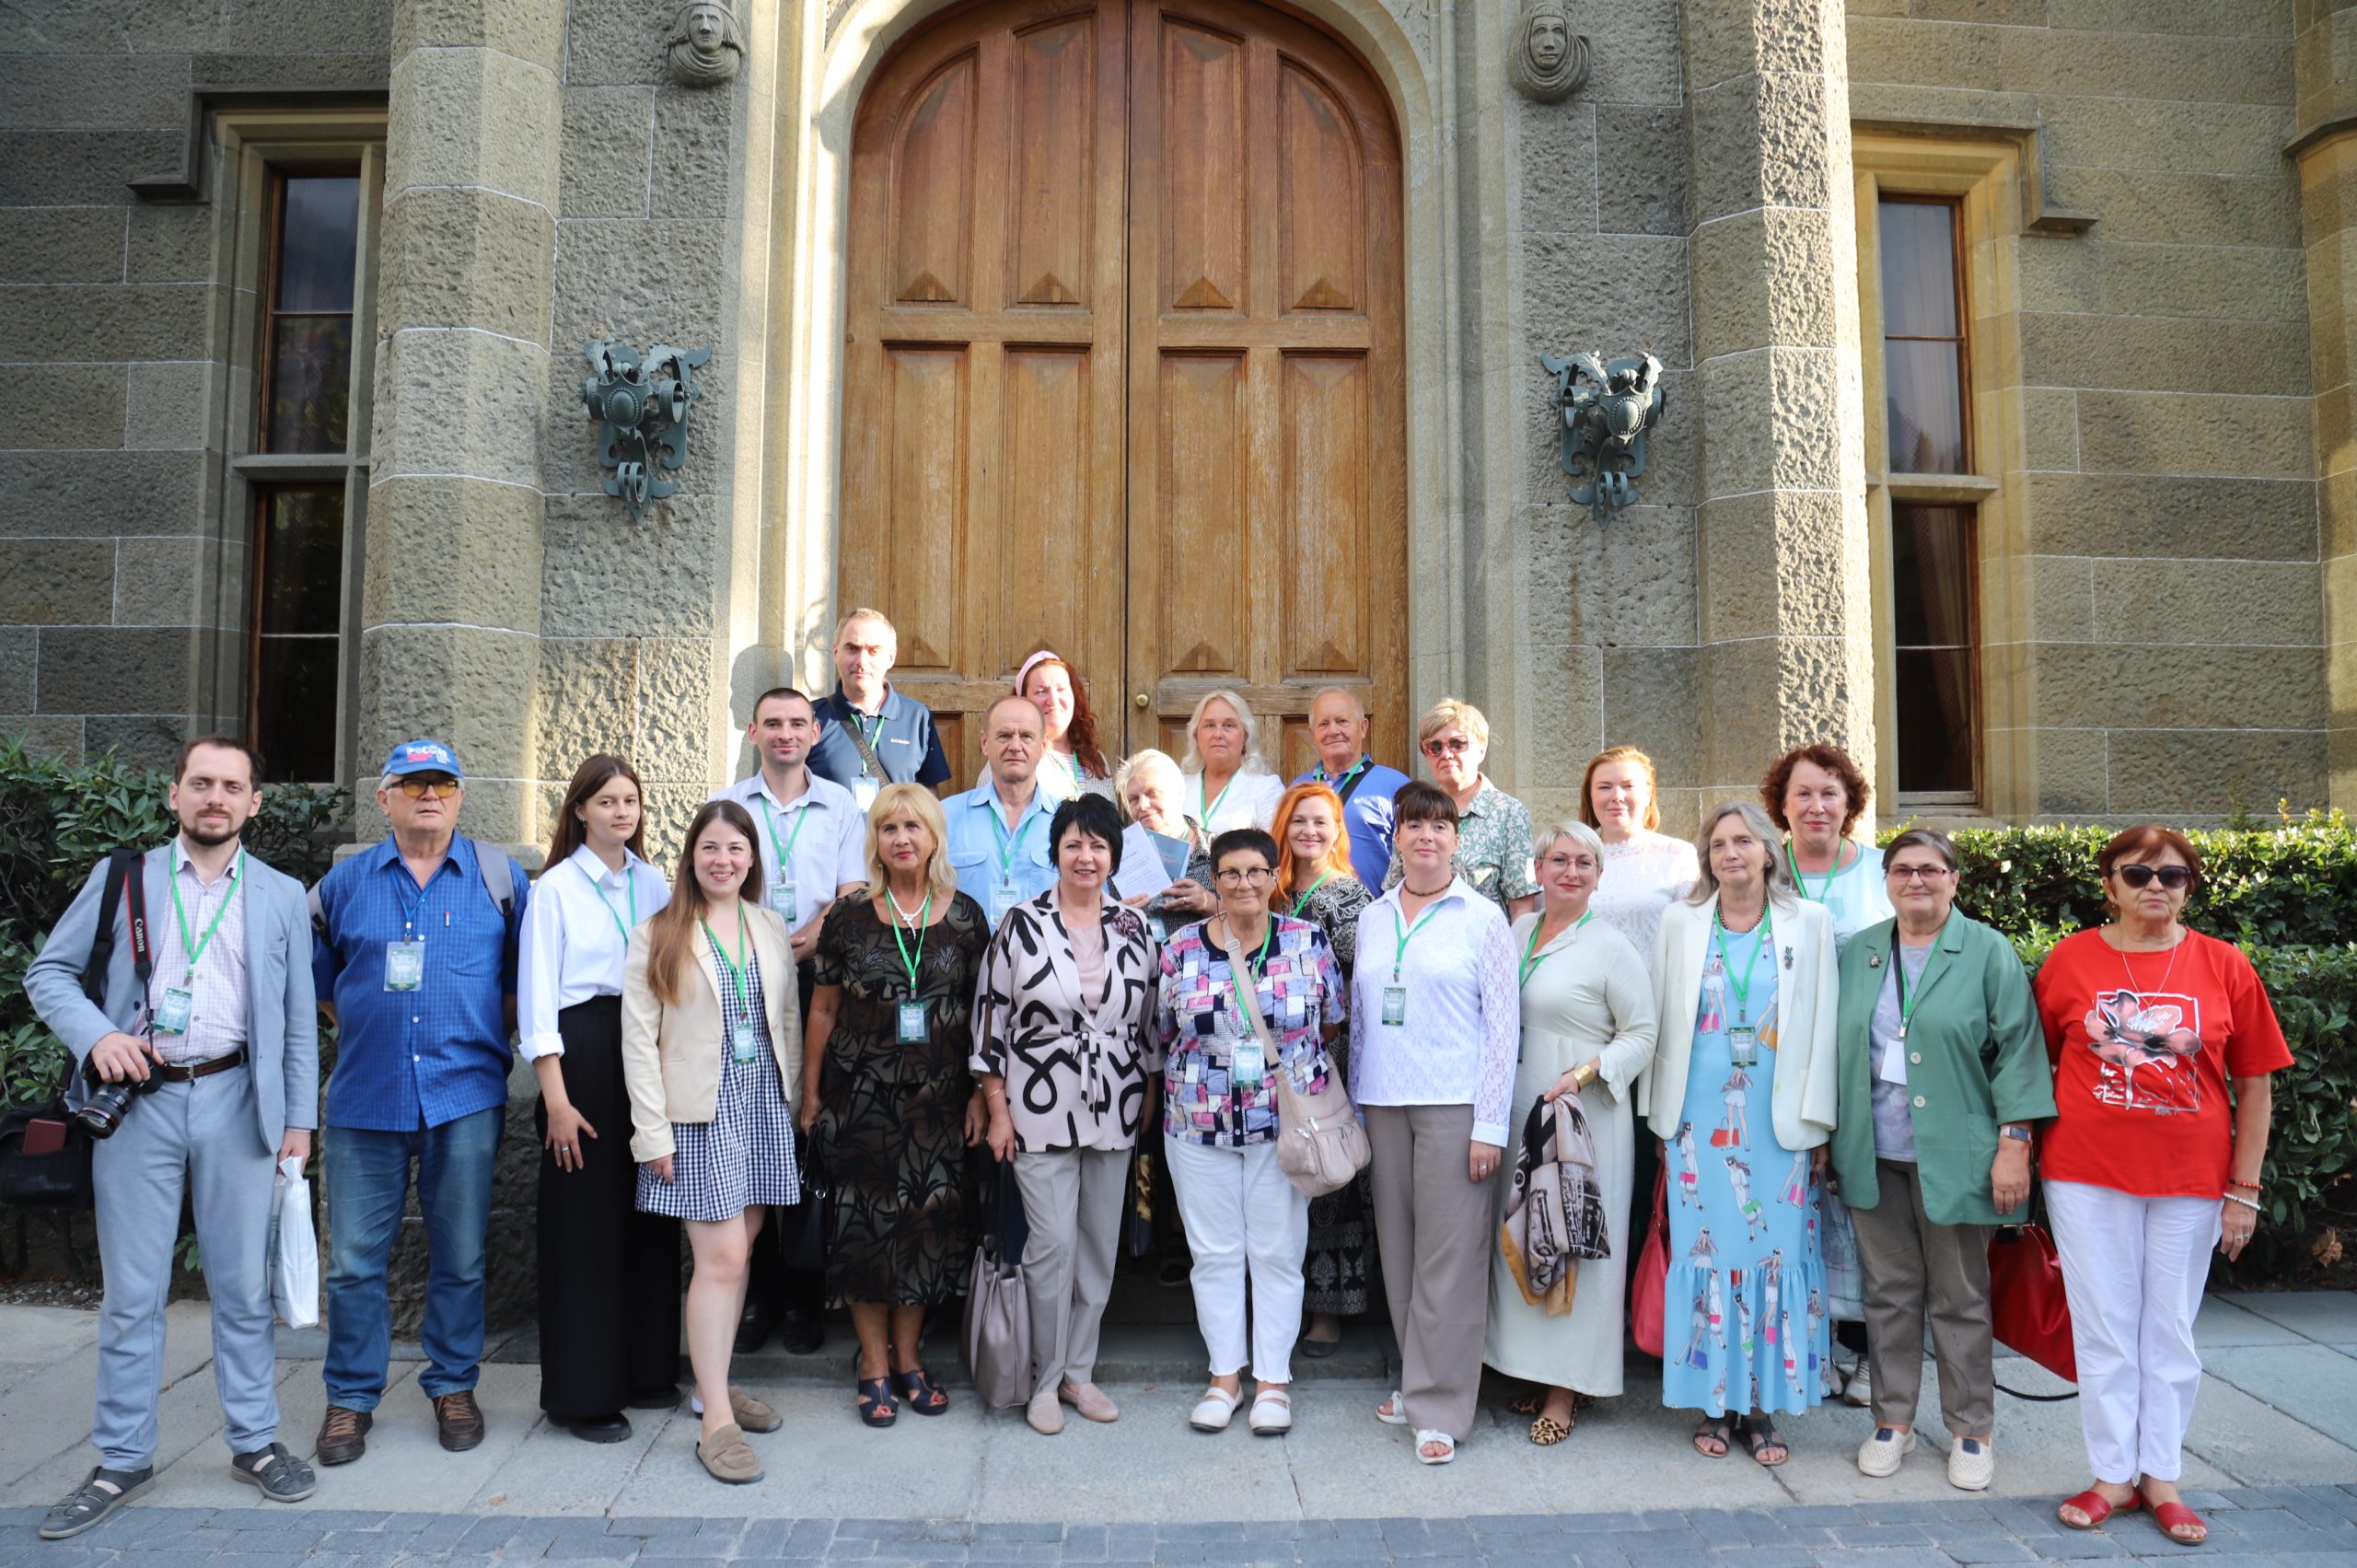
608,1274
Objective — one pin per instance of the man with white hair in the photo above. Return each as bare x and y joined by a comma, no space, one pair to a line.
1338,725
870,735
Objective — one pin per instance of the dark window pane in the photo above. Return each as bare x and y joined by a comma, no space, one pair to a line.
311,384
300,580
1919,269
318,239
295,708
1931,574
1926,407
1935,721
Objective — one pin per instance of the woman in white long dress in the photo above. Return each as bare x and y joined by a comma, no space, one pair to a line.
1618,799
1587,1027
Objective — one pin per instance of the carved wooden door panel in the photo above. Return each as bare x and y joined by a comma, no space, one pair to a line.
1267,416
983,444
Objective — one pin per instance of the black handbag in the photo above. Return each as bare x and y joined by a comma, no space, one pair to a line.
809,1230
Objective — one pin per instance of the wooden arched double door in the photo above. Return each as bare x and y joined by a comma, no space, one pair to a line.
1124,373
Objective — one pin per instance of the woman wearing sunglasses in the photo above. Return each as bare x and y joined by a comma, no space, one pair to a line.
1493,827
2162,1040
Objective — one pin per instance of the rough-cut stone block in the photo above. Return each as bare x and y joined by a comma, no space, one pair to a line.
467,258
162,27
2157,354
1900,103
2244,281
1614,293
2336,514
159,582
101,493
77,405
2207,602
46,734
2050,426
642,283
1632,583
2164,772
303,27
1763,277
584,700
2057,273
468,686
695,154
2258,208
61,168
1554,165
59,92
114,669
1726,39
1637,54
90,322
2145,66
1780,563
530,29
2192,138
139,740
602,170
1770,421
2062,598
682,723
2073,771
2121,513
610,42
170,405
2167,433
472,117
1562,700
169,244
452,550
2154,686
58,582
2203,18
601,575
1920,54
1641,188
19,670
464,403
61,244
1652,699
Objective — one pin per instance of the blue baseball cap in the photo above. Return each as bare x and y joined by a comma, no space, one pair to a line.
422,757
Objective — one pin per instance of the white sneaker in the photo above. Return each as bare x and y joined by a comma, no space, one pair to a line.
1880,1454
1271,1413
1971,1465
1860,1389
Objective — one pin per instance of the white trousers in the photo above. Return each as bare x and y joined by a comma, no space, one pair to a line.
1241,1213
2135,1267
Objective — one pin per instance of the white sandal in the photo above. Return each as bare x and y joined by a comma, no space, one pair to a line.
1399,1416
1271,1413
1448,1447
1214,1409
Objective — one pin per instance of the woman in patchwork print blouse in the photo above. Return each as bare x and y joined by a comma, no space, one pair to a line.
1220,1117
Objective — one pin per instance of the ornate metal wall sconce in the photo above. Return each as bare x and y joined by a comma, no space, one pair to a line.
640,407
1608,407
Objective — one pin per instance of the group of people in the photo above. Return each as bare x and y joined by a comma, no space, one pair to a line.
849,982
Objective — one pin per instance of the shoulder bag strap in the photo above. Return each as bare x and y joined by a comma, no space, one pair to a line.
866,750
1248,993
1352,788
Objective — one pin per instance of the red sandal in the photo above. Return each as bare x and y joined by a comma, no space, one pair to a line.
2097,1507
2173,1516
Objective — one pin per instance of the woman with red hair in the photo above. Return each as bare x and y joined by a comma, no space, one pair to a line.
1074,764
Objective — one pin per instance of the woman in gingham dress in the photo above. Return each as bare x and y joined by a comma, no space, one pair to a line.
712,1048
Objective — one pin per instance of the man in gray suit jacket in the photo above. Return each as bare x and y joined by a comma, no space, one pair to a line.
225,1035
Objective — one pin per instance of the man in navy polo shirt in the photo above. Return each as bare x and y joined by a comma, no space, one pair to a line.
866,727
1338,725
414,952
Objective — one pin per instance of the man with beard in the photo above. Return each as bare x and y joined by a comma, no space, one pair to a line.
223,1034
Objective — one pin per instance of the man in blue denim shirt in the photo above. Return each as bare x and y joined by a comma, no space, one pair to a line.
415,956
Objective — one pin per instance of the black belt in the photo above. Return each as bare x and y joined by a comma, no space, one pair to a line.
172,1074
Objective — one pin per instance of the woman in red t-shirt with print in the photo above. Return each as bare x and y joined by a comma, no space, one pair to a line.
2150,1160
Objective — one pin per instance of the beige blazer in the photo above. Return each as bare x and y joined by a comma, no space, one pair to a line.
1808,1083
671,1053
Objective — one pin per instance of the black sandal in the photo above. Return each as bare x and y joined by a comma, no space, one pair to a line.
1717,1428
923,1395
876,1404
1759,1433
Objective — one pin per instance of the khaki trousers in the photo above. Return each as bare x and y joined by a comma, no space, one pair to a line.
1915,1269
1435,1230
1072,1201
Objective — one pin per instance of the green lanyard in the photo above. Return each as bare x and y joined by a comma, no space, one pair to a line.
1793,860
925,920
736,966
1407,934
1742,988
1898,978
1008,843
196,949
1301,903
1336,784
630,884
1213,810
1532,957
867,735
1252,968
769,814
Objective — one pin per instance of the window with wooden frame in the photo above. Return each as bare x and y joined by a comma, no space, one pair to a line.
1927,363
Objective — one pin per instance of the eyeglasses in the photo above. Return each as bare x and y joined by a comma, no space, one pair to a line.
1455,745
1256,875
1915,873
2174,877
418,789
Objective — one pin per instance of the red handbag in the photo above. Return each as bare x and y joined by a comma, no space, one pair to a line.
1653,1272
2028,1307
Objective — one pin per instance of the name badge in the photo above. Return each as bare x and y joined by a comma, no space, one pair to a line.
863,791
1742,1046
780,899
1892,1069
1245,1068
1394,1005
171,1018
1004,898
745,1042
404,965
913,1028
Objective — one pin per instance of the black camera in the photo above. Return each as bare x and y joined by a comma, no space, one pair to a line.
107,1104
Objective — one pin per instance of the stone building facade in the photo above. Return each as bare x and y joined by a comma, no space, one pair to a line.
2126,585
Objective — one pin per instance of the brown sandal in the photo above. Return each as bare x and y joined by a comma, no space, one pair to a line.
1546,1432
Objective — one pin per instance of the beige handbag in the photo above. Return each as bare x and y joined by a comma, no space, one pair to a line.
1320,1145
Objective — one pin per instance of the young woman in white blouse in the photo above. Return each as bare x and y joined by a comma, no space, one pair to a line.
1435,1018
1620,798
1229,785
608,1274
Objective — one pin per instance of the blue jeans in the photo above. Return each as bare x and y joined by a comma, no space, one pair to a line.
368,1180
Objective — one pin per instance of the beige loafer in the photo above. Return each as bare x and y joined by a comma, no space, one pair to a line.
728,1457
1090,1400
1045,1414
750,1413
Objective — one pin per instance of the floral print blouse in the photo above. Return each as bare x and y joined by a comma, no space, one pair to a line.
1075,1056
1299,989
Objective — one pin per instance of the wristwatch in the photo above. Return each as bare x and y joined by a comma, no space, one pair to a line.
2021,1132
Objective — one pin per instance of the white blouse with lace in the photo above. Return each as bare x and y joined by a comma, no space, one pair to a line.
1642,874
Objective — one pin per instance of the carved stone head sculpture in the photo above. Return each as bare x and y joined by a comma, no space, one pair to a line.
1547,61
702,45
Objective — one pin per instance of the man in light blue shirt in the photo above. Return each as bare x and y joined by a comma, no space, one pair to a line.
998,829
1339,725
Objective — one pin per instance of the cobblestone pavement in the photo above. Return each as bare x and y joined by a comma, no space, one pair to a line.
2304,1527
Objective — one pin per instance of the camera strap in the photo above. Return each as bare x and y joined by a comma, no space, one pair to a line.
135,893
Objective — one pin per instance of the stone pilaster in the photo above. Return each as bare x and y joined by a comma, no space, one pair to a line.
450,599
2326,148
1786,621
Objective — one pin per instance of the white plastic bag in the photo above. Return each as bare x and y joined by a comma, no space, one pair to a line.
295,1278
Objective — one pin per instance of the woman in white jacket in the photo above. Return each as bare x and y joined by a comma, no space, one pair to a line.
1744,990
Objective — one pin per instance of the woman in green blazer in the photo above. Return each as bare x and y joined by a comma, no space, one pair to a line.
1943,1068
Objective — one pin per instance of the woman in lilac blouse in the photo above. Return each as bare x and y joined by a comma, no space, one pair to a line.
1220,1118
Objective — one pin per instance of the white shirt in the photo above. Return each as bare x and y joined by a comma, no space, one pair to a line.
1463,1009
827,851
217,1024
1249,800
1642,874
572,944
